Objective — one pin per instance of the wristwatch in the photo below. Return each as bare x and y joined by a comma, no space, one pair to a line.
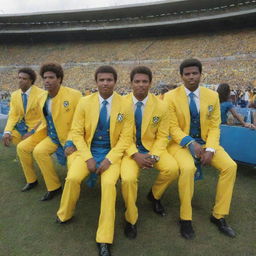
154,157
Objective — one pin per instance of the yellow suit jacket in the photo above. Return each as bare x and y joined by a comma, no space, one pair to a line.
154,128
62,109
16,114
86,119
180,116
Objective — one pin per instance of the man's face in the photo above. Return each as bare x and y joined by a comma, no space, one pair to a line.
51,82
191,77
140,86
105,83
24,81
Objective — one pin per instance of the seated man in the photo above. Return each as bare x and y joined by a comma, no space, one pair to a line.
194,127
148,148
57,106
24,116
101,131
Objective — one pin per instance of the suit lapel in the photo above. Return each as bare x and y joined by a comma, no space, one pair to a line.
183,103
20,102
94,112
203,105
147,114
56,104
113,114
31,97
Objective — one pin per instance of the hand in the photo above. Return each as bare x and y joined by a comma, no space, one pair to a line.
104,165
143,160
26,135
206,157
251,126
198,149
91,165
7,138
69,150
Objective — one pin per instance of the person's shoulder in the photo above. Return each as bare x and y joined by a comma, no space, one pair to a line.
127,96
16,92
208,91
71,90
88,98
37,88
155,100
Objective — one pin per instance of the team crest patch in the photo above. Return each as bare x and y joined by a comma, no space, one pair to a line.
155,119
120,117
65,103
210,109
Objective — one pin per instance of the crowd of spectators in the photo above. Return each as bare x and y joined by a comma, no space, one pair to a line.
227,58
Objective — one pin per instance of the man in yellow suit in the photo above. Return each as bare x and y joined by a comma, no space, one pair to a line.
148,148
101,131
24,115
57,106
194,127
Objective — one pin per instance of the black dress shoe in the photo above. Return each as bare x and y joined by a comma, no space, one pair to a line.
223,226
130,230
29,186
157,206
59,221
51,194
104,249
186,229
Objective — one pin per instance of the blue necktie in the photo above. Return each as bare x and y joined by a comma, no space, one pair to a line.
138,120
192,105
25,101
103,115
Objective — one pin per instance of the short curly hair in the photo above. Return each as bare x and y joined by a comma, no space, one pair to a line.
141,70
190,63
105,69
52,67
30,72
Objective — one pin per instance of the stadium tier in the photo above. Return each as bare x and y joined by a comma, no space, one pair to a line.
160,35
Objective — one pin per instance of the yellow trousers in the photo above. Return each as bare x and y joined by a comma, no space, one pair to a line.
42,149
16,137
168,172
227,168
77,172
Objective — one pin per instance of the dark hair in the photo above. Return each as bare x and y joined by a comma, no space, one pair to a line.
105,69
141,70
52,67
190,63
224,92
30,72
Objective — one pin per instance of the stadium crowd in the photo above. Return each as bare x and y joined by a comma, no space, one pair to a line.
227,58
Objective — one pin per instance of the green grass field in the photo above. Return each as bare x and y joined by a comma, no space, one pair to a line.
28,227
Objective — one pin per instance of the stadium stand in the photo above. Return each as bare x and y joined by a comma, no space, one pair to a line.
220,33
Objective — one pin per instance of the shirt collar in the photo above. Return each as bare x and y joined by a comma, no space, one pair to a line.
196,92
109,100
143,101
27,91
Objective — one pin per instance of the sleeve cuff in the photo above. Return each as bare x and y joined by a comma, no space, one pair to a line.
210,150
186,140
69,143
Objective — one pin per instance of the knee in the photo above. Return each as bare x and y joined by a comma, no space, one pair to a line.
187,171
72,179
21,147
231,168
174,170
108,183
37,152
128,179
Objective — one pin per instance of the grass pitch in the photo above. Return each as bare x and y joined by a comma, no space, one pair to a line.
28,227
